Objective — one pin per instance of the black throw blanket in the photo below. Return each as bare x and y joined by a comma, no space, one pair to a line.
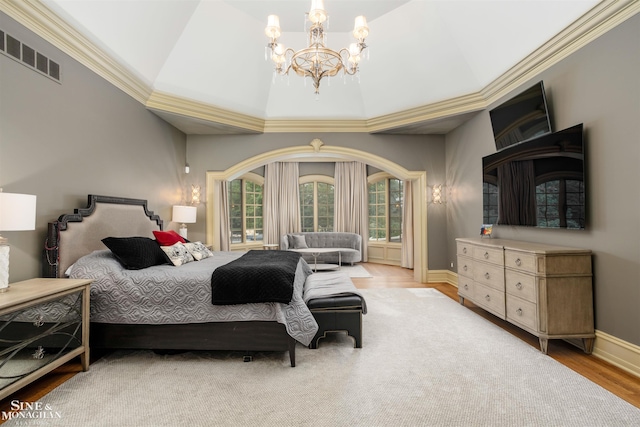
257,276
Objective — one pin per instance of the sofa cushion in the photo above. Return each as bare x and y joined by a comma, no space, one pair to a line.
298,241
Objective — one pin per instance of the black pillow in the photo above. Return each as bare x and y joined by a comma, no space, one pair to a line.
136,253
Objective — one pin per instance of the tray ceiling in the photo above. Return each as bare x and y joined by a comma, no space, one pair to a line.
421,53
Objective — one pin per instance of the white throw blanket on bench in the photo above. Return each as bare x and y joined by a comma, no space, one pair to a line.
330,284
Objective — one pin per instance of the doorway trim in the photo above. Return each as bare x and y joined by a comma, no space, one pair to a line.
317,151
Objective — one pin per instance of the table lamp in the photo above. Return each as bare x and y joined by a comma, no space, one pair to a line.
184,215
17,213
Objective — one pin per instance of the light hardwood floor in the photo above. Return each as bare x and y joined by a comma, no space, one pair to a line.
617,381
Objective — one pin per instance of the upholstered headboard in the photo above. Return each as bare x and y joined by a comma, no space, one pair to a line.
80,233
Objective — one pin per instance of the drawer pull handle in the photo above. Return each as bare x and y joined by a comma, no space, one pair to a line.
39,321
486,255
486,276
519,312
488,298
518,262
464,250
464,268
519,286
39,353
466,287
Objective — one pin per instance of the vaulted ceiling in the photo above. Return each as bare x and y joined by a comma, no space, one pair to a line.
200,64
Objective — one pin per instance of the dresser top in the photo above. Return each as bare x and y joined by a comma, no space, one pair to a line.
516,245
32,289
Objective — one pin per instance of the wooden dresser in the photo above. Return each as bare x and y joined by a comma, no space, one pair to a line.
546,290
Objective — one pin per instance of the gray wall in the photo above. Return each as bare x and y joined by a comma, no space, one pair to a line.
598,86
413,152
84,136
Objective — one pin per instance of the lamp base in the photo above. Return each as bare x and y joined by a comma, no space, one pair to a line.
183,231
4,267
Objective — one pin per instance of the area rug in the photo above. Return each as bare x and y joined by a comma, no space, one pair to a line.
425,361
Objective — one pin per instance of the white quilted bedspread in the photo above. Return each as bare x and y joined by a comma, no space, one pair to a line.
167,294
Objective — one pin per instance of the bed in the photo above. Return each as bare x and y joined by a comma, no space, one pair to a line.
165,307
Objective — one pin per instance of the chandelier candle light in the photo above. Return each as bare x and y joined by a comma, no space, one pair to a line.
316,60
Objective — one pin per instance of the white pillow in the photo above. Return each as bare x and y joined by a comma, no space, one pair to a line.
198,250
178,254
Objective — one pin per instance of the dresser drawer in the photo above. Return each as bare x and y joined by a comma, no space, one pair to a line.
465,287
465,249
465,266
522,312
489,298
490,255
489,274
521,285
520,261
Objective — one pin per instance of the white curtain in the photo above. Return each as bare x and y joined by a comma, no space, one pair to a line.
281,200
407,225
223,214
351,212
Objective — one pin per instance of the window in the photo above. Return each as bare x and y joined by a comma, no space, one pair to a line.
560,203
385,210
245,210
316,203
490,203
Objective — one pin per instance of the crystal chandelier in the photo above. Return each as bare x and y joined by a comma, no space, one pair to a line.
316,60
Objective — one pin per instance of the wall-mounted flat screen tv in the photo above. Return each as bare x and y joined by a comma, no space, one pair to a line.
521,118
540,182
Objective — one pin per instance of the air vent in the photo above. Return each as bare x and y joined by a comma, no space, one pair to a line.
28,56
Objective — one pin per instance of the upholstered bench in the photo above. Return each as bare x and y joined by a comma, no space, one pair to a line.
335,304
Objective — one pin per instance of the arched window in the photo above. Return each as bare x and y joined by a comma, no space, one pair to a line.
245,209
316,203
385,208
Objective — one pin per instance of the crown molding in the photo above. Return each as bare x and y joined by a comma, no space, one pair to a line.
437,110
45,23
315,126
603,17
186,107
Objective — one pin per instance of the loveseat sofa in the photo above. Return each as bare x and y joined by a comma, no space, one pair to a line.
349,245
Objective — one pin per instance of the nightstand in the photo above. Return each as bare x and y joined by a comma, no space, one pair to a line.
44,323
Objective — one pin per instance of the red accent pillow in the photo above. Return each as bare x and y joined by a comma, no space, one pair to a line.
168,238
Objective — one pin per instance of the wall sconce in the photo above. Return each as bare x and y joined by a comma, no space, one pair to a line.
195,194
185,215
17,213
437,194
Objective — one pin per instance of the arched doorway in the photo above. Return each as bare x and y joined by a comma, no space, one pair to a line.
316,151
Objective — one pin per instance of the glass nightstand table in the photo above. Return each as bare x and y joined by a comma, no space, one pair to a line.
44,323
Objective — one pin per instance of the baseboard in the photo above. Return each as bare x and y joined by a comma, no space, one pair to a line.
622,354
443,276
619,353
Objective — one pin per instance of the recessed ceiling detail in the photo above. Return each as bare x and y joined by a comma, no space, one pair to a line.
423,54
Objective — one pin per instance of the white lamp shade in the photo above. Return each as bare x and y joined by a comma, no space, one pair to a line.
184,214
317,13
360,29
17,212
273,27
